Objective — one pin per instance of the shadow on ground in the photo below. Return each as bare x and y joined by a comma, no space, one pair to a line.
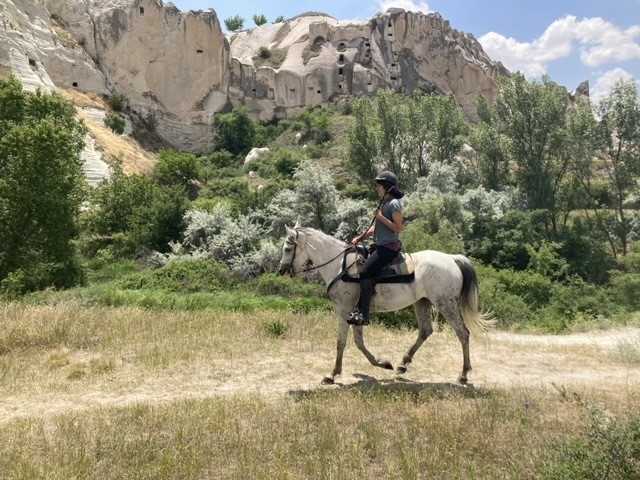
391,387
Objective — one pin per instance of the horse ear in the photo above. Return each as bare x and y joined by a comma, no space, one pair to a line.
298,224
290,233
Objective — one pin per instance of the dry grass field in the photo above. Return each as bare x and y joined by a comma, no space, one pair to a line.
129,393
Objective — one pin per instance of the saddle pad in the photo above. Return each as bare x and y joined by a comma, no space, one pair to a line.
400,266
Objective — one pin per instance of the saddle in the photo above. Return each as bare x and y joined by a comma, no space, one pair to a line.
400,270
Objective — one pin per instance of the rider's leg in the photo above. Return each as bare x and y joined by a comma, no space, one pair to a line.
378,259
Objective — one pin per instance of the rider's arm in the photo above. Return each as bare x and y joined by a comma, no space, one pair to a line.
366,234
396,222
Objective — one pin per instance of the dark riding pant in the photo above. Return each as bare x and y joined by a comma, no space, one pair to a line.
376,261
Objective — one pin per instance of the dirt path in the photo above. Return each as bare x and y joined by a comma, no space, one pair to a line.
605,361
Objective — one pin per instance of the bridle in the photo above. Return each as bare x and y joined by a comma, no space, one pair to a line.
308,267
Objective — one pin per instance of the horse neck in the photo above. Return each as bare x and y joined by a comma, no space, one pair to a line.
322,248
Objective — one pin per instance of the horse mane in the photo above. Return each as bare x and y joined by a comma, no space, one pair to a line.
311,232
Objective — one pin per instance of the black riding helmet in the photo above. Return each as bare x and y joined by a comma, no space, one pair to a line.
389,181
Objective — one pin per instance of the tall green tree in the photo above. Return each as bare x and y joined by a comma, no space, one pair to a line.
41,187
316,196
583,146
394,138
450,129
491,147
362,143
619,134
533,116
404,134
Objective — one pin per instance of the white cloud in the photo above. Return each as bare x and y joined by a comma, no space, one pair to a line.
599,42
408,5
603,42
606,81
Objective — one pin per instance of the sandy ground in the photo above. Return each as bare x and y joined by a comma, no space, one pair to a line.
593,361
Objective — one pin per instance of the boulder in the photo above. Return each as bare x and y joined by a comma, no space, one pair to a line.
254,154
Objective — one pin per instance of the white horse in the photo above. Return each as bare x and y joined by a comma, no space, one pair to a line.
448,282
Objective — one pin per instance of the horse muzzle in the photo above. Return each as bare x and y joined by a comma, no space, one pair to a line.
285,268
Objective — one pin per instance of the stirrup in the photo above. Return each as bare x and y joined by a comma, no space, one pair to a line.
356,318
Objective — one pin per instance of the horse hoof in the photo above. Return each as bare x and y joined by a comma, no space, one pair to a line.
327,381
401,369
462,380
386,365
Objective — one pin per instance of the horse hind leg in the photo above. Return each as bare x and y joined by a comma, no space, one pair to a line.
452,314
423,314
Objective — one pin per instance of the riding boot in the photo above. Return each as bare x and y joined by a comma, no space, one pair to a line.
366,292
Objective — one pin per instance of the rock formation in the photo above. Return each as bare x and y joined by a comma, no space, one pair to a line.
179,68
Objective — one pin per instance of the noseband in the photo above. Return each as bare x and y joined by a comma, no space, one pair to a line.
289,266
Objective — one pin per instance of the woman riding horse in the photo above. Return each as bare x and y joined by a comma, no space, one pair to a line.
386,242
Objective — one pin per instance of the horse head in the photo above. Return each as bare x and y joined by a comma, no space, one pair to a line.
294,255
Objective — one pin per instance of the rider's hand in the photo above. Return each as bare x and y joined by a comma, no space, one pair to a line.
357,240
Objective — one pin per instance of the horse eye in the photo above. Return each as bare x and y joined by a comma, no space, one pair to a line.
287,249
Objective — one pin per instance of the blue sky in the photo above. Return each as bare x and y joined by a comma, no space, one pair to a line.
570,40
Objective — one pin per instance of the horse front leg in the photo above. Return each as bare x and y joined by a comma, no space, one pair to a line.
343,332
423,314
359,339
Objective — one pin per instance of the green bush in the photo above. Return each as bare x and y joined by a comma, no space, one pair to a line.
446,239
184,276
117,101
579,297
115,122
234,131
259,19
234,190
109,267
40,276
176,168
234,23
193,275
221,159
405,318
624,289
288,287
607,448
507,308
282,162
264,52
532,301
356,191
535,289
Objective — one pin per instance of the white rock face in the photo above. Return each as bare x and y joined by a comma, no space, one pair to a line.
32,50
24,33
95,169
325,58
180,69
170,64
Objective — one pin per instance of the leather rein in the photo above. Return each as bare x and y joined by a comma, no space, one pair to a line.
311,268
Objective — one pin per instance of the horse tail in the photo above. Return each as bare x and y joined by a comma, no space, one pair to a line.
477,322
